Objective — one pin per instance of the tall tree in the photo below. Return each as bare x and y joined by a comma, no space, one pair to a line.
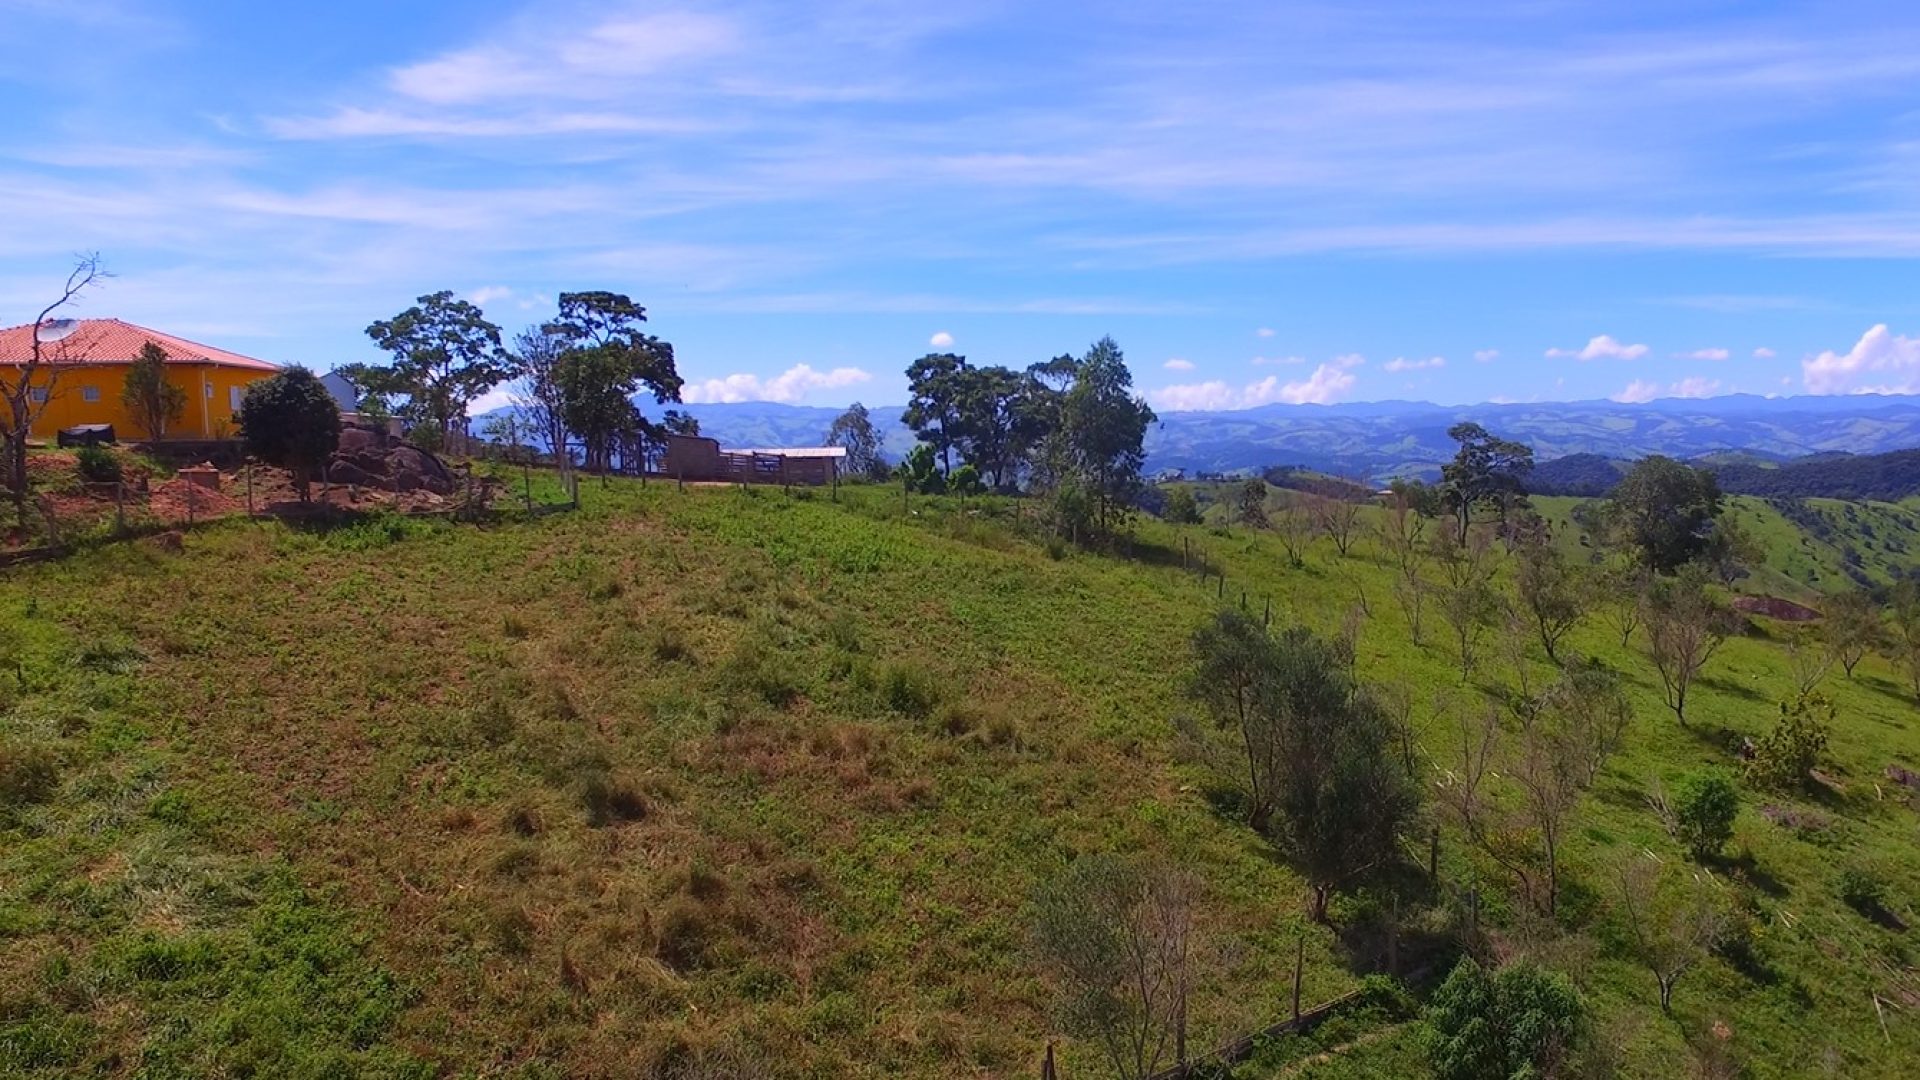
1686,625
1342,798
606,359
445,354
535,363
1104,425
1851,629
935,384
1665,511
1402,531
29,387
291,421
1236,678
854,430
1117,936
1487,472
1674,915
1465,592
1903,644
153,400
1552,591
1250,504
987,420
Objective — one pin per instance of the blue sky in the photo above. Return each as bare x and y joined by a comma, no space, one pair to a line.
1261,202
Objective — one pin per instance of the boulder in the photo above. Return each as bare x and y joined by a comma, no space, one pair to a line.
389,468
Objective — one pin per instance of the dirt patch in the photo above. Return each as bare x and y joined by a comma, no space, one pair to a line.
1773,607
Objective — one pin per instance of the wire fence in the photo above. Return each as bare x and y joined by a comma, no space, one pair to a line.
81,513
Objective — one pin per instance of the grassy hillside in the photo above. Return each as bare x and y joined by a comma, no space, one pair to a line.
760,783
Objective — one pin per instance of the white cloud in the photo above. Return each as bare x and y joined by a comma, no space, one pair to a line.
1704,354
1881,362
941,340
1603,347
1329,383
1265,331
1485,356
487,294
1764,353
497,398
1401,363
789,386
1178,364
1696,386
1639,391
1272,361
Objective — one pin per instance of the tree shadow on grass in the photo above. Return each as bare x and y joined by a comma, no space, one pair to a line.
1746,869
1735,689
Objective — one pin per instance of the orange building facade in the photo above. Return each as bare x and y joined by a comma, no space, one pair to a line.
84,371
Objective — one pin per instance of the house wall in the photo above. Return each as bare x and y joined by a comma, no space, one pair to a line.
212,391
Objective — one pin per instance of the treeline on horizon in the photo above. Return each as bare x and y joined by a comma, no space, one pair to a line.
1888,477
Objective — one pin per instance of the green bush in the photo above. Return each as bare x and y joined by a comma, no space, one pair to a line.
1520,1021
1785,757
1704,809
98,465
908,689
1863,890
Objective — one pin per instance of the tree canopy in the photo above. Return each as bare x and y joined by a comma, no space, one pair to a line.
445,354
291,421
153,400
1487,472
1665,511
854,430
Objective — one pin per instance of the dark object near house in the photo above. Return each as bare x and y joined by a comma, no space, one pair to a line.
86,435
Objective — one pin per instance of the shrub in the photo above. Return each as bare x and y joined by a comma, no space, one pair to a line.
908,689
291,421
28,775
1704,809
1863,890
1180,507
1785,757
1520,1021
98,465
966,481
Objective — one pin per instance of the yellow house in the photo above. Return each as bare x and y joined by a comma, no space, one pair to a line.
84,364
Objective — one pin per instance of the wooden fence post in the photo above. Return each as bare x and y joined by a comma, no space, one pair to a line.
120,507
1266,616
1299,962
1433,856
247,468
1046,1069
1221,594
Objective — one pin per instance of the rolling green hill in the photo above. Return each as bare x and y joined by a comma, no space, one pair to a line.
759,784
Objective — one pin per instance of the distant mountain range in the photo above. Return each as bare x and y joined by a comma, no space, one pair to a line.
1394,438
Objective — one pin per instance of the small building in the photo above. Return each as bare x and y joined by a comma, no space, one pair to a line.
700,459
345,394
87,360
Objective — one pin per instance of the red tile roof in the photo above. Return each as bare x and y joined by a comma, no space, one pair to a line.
110,341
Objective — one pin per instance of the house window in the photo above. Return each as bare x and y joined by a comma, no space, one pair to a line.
39,395
209,387
233,398
90,393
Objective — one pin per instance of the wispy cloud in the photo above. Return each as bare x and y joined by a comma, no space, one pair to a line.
1764,353
1485,356
941,340
1278,361
1265,332
1604,347
1704,354
1178,364
1400,363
